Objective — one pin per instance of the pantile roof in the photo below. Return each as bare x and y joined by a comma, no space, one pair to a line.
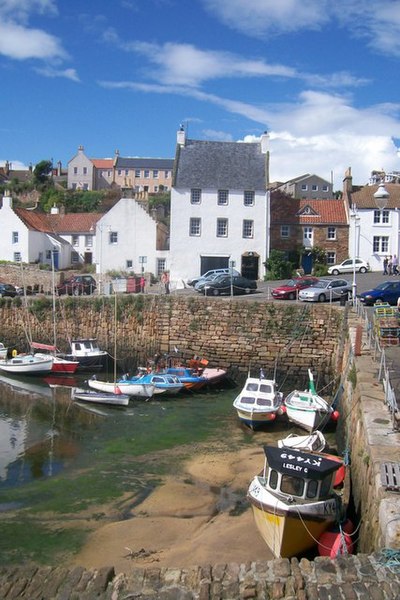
220,165
312,212
364,197
103,163
69,223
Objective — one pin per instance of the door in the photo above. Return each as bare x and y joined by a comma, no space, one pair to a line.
250,264
209,263
307,263
56,259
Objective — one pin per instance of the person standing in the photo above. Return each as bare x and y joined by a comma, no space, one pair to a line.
395,265
142,284
385,265
165,281
390,265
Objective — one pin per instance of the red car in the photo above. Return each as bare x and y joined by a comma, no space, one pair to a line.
290,289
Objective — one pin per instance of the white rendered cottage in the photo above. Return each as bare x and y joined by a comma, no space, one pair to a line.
219,208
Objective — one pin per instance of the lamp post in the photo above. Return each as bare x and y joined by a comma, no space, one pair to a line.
231,265
355,218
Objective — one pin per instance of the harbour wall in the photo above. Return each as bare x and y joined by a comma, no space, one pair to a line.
235,335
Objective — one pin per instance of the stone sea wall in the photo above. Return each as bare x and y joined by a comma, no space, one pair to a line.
236,335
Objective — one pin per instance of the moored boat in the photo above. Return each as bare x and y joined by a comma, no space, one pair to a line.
163,383
190,378
60,365
109,398
3,351
294,501
307,409
314,442
87,352
27,364
126,386
259,402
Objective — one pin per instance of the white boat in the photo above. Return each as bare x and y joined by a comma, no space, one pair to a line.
259,402
307,409
294,501
315,442
112,399
60,365
87,352
3,351
128,387
27,364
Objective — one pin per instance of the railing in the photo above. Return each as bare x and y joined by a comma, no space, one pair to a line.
379,355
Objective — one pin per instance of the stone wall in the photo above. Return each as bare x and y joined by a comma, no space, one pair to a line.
234,335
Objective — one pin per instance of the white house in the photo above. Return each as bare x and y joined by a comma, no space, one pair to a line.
219,207
374,232
128,238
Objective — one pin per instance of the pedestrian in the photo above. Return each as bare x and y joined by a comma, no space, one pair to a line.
165,281
142,284
385,265
390,265
395,265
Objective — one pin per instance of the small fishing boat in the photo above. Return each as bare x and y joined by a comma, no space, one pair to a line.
259,402
60,365
126,386
213,375
3,351
27,364
315,442
87,352
307,409
294,501
190,378
112,399
163,383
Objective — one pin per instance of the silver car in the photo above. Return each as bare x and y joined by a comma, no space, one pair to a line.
347,266
325,289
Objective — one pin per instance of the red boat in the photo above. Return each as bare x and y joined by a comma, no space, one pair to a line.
60,365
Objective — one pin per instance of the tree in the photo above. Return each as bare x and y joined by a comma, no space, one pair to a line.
42,174
277,266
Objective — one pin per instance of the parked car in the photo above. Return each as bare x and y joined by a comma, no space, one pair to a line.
388,291
347,267
325,289
224,284
76,285
290,289
205,280
7,289
212,272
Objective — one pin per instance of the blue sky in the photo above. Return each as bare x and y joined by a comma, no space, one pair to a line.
321,76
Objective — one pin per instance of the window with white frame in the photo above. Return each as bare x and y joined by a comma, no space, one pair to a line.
146,174
85,170
75,240
74,258
314,187
331,233
89,241
381,216
195,196
137,173
307,234
126,172
17,257
85,186
75,170
222,227
108,173
195,226
304,187
248,228
285,231
325,188
167,174
113,237
161,266
129,264
331,258
223,197
119,171
381,243
15,237
48,254
248,198
155,174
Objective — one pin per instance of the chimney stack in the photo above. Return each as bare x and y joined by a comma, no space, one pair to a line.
181,136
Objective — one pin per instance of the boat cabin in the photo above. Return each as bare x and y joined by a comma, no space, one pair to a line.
300,475
260,393
81,347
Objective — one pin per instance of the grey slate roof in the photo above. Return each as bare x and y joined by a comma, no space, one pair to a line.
144,163
220,165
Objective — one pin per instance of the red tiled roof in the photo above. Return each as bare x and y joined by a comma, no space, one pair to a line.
69,223
103,163
331,212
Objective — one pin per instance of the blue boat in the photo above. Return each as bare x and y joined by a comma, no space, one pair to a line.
164,383
189,377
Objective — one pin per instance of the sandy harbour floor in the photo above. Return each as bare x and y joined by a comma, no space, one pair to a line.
186,521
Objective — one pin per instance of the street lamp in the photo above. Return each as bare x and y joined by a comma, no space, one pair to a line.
231,265
381,197
356,221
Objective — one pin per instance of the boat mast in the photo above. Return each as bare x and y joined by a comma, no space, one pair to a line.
54,299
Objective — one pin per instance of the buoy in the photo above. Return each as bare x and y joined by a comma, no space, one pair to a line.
336,542
335,415
14,353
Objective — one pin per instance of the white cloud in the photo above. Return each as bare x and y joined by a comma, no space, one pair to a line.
19,10
21,43
15,164
51,72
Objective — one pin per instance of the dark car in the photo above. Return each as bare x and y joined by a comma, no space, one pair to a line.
388,291
290,289
225,284
76,285
6,289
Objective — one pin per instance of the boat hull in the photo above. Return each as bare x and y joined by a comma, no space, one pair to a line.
255,420
101,397
90,361
26,365
139,390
